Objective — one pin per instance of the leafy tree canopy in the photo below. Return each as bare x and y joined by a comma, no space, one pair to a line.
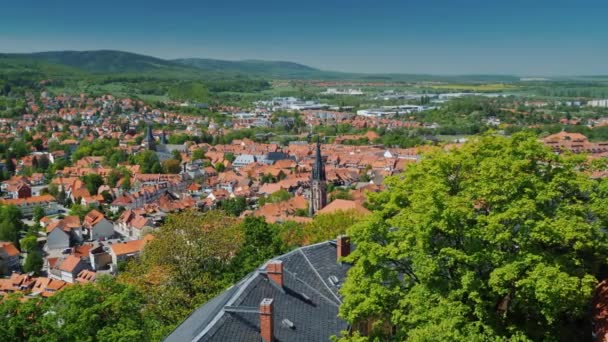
500,239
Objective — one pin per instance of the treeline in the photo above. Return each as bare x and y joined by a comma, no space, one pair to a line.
192,258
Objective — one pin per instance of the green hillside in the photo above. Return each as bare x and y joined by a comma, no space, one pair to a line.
102,61
252,67
109,62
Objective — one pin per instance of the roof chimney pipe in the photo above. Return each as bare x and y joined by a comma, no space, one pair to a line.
343,246
266,320
274,270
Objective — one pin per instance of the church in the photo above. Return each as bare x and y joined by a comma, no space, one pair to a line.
318,183
163,149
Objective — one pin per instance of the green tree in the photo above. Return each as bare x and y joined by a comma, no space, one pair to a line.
176,155
104,311
233,206
28,243
33,261
38,213
148,161
8,231
92,181
198,154
229,156
171,166
275,197
126,183
113,178
20,319
80,210
185,264
500,239
219,167
261,243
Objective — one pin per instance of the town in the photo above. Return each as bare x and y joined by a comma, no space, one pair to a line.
303,171
89,180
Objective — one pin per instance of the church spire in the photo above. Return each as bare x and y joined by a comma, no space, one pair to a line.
318,186
163,138
149,139
318,169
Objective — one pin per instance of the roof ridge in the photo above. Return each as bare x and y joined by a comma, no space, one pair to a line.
321,278
242,286
293,274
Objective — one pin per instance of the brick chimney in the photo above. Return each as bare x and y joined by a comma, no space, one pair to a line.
266,320
343,246
274,269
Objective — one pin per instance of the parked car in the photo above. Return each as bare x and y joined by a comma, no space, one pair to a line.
66,251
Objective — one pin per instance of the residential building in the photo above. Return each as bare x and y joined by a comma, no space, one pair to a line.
293,297
63,233
130,249
9,257
27,205
67,268
97,226
131,225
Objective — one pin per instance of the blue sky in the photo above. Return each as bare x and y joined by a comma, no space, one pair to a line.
525,37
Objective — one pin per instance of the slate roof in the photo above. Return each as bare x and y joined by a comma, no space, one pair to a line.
308,299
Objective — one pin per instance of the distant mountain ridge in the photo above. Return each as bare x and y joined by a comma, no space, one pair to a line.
100,61
121,62
111,61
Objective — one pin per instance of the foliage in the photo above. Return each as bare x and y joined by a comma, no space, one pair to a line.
185,264
275,197
28,243
322,228
148,161
261,242
104,311
92,182
233,206
33,261
38,213
171,166
229,156
498,239
10,223
189,91
198,154
219,167
80,210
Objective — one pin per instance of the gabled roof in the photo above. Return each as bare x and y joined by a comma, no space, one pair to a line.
130,247
343,205
9,248
93,218
68,264
308,299
66,224
86,276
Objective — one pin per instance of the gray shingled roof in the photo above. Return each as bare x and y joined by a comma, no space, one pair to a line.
308,299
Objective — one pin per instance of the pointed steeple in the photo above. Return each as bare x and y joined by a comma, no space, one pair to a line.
318,186
318,169
149,139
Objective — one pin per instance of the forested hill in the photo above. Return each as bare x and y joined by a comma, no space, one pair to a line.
276,69
120,62
104,62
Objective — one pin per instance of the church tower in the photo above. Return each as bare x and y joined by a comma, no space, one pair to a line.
149,142
318,186
163,138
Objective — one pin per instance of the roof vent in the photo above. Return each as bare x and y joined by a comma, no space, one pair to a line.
333,280
288,324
